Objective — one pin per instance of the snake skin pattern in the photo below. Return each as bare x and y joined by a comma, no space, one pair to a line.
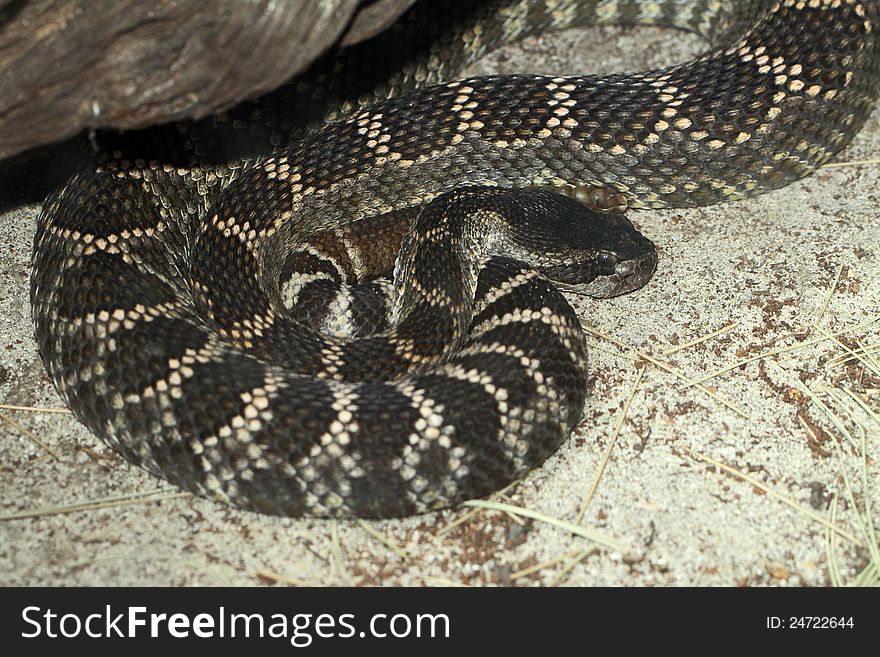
162,279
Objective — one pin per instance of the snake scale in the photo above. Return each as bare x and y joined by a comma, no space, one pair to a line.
164,280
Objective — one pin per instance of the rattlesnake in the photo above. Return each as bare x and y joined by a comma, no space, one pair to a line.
162,285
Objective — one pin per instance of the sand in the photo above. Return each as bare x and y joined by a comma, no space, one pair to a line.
732,483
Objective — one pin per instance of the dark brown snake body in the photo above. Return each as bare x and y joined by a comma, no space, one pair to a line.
157,281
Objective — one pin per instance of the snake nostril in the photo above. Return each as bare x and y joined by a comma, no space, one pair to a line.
625,267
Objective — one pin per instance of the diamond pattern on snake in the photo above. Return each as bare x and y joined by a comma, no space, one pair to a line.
342,299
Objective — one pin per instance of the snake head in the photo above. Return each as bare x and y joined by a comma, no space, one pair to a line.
622,259
600,254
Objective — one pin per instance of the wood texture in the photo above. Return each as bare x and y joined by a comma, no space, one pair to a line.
66,65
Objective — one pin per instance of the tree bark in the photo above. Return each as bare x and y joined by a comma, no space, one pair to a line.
66,65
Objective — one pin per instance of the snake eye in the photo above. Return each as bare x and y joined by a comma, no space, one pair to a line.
606,261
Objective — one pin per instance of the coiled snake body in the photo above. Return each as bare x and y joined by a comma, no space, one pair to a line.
163,286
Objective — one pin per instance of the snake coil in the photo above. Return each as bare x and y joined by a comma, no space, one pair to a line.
158,279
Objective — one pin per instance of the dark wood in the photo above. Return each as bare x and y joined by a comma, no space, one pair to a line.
373,18
66,65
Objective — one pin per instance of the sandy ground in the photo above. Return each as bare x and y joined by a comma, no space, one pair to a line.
734,483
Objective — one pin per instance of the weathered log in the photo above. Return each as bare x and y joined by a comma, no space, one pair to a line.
66,65
373,18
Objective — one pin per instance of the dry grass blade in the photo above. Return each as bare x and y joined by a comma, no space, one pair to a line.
700,339
588,497
127,557
338,558
830,552
851,163
862,403
566,570
379,536
630,357
525,572
827,301
832,416
780,350
158,495
270,576
782,498
868,358
472,514
667,368
870,575
35,409
860,355
27,433
868,351
578,530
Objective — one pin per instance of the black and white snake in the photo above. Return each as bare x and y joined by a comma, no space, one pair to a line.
165,280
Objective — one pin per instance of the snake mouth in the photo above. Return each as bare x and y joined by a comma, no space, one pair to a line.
628,276
633,274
